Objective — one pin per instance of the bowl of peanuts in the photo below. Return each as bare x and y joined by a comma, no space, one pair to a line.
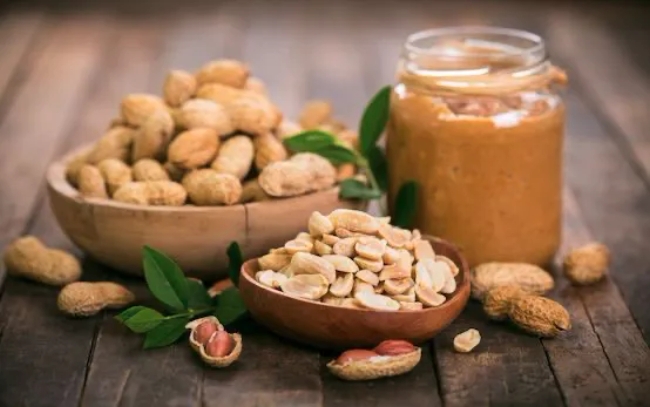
195,169
353,280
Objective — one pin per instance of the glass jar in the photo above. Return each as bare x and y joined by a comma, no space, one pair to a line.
476,120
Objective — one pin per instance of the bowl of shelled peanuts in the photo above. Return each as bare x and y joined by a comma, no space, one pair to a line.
350,279
195,169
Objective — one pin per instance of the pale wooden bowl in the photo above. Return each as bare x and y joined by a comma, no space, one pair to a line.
196,237
332,327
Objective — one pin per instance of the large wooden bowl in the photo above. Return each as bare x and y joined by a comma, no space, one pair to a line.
196,237
332,327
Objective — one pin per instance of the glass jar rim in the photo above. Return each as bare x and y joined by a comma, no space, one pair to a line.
537,43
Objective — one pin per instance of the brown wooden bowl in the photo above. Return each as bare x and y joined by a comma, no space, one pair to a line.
196,237
333,327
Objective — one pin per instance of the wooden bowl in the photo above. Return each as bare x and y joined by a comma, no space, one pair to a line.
333,327
196,237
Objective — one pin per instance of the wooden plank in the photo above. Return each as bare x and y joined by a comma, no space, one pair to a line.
36,338
18,30
602,69
628,374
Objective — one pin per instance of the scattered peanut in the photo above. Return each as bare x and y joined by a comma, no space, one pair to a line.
82,299
466,341
210,340
497,301
539,316
27,257
587,264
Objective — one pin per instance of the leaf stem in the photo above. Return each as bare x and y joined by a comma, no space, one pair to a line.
365,166
191,313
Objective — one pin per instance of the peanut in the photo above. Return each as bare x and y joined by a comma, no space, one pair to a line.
270,278
466,341
376,302
165,193
423,250
116,143
354,221
587,264
345,247
252,192
219,345
208,187
221,94
315,113
428,296
343,264
367,276
256,85
235,157
115,173
81,299
529,277
274,261
284,179
497,301
370,248
193,148
354,355
153,136
204,331
91,183
345,171
149,170
306,263
322,172
319,224
308,286
73,168
392,347
28,258
539,316
268,149
224,71
137,107
287,129
343,285
179,87
203,113
373,265
175,173
252,115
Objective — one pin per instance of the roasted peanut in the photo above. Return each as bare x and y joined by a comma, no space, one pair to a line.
235,157
91,183
193,148
208,187
115,173
268,149
224,71
179,87
137,107
149,170
153,136
204,113
151,193
82,299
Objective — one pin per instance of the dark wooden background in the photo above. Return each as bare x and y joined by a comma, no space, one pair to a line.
64,67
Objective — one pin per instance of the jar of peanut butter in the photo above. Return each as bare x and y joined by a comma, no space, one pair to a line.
477,121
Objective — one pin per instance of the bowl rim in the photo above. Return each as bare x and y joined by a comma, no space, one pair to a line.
456,297
58,182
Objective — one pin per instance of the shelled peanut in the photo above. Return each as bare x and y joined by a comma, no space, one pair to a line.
213,343
352,259
218,122
390,358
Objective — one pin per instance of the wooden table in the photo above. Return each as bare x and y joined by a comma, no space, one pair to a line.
64,67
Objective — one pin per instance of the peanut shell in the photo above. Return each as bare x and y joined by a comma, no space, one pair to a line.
497,301
376,367
587,264
235,157
151,139
179,87
91,183
137,107
224,71
82,299
193,148
529,277
539,316
207,187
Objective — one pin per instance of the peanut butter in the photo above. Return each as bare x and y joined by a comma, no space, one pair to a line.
485,148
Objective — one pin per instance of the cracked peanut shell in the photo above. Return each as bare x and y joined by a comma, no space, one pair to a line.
225,361
376,367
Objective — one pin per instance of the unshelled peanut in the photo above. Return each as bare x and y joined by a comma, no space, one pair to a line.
82,299
90,182
587,264
208,187
235,157
115,173
268,149
137,107
539,316
116,143
179,87
254,116
151,139
193,148
157,193
224,71
149,170
28,258
204,113
315,113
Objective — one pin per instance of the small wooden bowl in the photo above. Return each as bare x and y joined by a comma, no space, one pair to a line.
333,327
196,237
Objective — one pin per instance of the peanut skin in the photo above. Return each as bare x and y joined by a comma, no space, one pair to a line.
220,345
27,257
204,331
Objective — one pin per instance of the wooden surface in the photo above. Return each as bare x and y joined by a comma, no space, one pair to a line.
64,66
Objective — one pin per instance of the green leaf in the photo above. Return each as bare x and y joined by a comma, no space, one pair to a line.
230,306
354,189
405,205
165,279
199,297
140,320
128,313
310,141
374,119
235,261
337,154
166,333
378,166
